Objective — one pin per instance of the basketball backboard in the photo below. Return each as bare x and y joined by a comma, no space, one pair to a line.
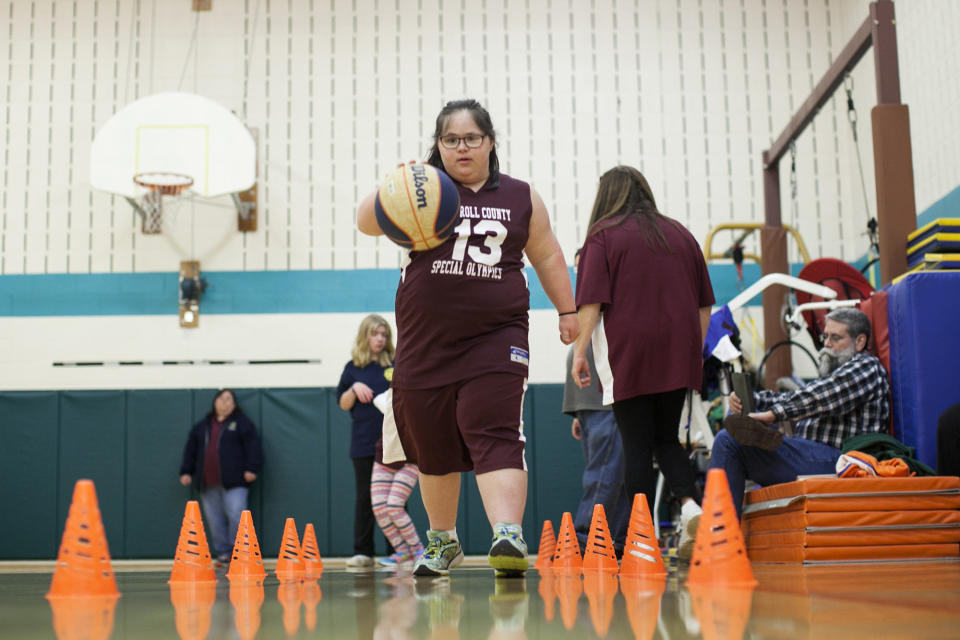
180,133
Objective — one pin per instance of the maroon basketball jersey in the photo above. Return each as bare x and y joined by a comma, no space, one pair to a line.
462,307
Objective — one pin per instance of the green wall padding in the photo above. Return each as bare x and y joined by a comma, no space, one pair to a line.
28,468
92,445
130,444
157,427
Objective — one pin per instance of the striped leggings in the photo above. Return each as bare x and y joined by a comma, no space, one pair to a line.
389,491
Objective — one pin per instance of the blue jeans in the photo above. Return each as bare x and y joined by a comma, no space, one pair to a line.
223,508
794,457
602,476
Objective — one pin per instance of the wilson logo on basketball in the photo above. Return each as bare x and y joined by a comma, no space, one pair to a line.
419,179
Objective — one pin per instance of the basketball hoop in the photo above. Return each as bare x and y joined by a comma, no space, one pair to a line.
159,184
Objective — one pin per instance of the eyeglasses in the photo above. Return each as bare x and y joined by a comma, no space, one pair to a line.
472,140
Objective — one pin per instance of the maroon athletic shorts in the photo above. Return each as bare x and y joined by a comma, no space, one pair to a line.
474,424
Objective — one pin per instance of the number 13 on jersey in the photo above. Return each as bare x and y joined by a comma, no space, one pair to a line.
489,254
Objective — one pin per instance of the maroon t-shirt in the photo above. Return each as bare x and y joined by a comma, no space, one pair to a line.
211,457
648,337
462,307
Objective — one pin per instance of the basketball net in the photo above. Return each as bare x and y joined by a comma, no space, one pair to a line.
151,203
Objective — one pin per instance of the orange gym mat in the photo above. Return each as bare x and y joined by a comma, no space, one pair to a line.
827,519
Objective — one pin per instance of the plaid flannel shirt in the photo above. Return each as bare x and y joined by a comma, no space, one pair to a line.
853,399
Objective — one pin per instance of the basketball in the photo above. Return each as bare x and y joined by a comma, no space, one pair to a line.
417,206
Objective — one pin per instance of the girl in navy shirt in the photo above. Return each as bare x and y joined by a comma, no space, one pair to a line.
366,375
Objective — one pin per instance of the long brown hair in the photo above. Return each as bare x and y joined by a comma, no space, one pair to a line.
623,193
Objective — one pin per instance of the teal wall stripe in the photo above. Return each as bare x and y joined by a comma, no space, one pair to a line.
946,207
138,294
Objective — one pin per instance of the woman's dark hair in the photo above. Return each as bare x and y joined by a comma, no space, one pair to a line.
482,118
213,405
623,193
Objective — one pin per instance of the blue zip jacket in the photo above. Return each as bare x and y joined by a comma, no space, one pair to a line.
239,451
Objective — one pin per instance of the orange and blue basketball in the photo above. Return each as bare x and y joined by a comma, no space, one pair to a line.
417,206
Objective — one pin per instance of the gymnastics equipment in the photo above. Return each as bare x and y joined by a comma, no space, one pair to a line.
893,164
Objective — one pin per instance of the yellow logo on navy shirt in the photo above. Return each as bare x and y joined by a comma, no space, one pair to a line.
388,374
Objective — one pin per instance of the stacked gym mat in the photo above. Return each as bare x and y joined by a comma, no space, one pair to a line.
830,520
934,247
922,312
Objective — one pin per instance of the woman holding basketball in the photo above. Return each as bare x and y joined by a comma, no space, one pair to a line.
462,353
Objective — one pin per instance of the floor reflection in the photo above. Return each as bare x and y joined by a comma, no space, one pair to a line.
790,601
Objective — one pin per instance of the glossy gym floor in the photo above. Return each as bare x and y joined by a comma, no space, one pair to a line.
890,600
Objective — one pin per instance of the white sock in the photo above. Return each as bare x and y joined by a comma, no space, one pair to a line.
690,508
452,534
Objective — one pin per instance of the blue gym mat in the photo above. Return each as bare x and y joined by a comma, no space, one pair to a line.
923,311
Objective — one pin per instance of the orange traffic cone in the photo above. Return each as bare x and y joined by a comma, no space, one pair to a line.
246,561
192,561
723,611
548,591
643,595
312,562
599,554
568,587
548,545
246,595
290,562
641,553
566,557
601,589
311,594
719,554
81,617
192,602
83,563
290,597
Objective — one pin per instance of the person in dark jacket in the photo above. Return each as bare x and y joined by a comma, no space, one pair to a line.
221,458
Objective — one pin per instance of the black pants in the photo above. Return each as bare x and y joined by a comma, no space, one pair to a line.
648,427
948,442
363,519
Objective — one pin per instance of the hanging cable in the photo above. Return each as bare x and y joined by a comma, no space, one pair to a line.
794,206
246,62
852,117
874,250
193,42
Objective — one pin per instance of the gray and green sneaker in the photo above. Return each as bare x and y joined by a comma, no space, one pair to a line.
508,553
441,555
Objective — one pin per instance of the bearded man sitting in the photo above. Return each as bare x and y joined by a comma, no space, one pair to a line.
851,396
